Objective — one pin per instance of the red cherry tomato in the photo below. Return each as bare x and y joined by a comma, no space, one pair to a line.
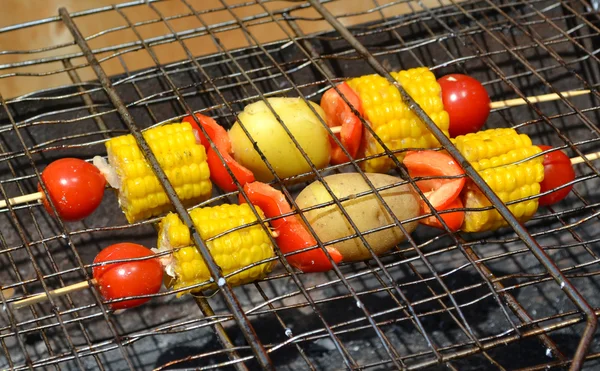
440,192
120,280
557,172
467,103
75,187
453,220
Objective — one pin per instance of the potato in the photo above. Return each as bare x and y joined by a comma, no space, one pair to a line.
365,211
275,143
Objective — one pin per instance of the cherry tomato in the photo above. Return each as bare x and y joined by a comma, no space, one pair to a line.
427,163
338,113
75,187
453,220
467,103
557,172
120,280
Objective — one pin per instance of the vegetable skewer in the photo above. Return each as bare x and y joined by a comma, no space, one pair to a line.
457,104
510,165
76,202
234,237
495,160
37,196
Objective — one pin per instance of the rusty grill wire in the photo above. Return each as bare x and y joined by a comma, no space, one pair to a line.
513,299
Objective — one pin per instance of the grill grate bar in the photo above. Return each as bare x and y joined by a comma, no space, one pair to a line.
512,303
329,76
569,289
214,269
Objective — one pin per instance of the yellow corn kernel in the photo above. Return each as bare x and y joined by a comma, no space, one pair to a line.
497,155
392,120
232,250
184,161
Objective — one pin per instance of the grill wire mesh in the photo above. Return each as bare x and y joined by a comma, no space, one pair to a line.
457,301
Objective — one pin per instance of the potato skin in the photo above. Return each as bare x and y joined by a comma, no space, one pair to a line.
274,142
365,211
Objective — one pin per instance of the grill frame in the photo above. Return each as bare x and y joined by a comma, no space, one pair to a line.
235,308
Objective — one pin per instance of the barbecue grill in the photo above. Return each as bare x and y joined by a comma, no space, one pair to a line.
522,297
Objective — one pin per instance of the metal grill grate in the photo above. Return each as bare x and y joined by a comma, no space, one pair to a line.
513,299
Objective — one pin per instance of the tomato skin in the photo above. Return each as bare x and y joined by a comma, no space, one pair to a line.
453,220
428,163
293,235
467,103
219,136
557,172
338,113
120,280
76,188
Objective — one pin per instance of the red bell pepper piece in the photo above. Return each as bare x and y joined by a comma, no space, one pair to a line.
453,220
218,171
292,234
440,192
338,113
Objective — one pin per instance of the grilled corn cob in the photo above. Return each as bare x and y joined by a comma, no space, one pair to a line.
392,120
184,161
498,154
232,250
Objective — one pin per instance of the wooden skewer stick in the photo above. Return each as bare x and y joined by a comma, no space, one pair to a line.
54,293
22,199
537,99
590,157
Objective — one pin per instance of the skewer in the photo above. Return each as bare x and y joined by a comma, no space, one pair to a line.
521,101
537,99
38,298
37,196
22,199
499,104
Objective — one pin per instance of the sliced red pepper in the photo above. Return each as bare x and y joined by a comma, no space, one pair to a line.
292,234
218,171
440,192
338,113
453,220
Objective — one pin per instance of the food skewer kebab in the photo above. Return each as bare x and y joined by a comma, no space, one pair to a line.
508,162
190,161
456,103
234,236
236,240
74,201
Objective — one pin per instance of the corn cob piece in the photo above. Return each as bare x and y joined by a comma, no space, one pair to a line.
392,120
184,161
497,155
232,250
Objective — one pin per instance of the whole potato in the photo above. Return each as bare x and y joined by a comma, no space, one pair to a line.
275,143
365,211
